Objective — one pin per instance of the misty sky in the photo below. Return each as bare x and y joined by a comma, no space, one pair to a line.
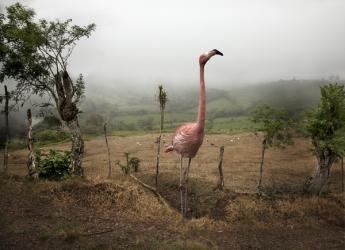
159,41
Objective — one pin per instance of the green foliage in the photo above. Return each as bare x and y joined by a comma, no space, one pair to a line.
54,165
34,52
274,124
145,123
50,136
326,123
131,163
162,97
134,163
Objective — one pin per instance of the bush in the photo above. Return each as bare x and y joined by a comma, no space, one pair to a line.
134,163
54,165
50,136
131,163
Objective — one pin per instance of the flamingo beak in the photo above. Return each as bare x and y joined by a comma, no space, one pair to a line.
218,52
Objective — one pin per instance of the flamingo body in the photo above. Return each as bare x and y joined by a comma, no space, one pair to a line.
187,139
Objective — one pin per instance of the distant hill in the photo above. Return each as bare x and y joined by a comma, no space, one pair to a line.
138,104
294,95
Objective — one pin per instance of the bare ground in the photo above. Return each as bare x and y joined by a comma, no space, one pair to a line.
119,214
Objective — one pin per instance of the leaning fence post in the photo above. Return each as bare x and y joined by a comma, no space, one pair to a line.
106,142
7,130
220,168
31,162
342,174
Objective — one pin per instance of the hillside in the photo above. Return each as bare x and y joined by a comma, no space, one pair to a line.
126,107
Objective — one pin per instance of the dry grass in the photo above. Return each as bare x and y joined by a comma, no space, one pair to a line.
118,213
302,210
241,160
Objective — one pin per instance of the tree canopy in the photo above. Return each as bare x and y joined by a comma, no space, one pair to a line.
34,52
274,124
326,123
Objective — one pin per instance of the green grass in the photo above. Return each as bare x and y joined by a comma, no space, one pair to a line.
232,125
126,133
226,125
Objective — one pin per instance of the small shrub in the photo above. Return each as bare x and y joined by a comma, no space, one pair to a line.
54,165
131,163
134,163
124,168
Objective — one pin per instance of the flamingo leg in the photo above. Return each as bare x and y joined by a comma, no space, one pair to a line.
181,188
186,186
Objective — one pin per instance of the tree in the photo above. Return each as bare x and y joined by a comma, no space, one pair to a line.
162,99
326,126
35,54
275,126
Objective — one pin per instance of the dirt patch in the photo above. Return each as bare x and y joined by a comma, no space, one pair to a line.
204,199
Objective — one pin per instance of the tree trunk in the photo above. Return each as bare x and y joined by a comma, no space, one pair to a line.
106,142
321,174
31,162
77,150
68,112
220,168
7,130
262,163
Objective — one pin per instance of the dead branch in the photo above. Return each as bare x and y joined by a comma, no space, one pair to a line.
152,189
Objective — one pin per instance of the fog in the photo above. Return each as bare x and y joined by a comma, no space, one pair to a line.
150,41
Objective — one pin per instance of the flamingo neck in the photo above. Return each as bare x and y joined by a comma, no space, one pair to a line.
202,99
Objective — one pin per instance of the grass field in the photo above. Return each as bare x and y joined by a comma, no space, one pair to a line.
101,213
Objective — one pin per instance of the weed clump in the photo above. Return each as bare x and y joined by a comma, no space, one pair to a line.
131,163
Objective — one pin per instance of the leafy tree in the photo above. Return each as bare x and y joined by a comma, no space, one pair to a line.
326,127
35,54
275,126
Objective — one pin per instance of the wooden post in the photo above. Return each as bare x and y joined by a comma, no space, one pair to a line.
31,163
262,163
158,157
342,174
7,130
106,142
162,98
220,168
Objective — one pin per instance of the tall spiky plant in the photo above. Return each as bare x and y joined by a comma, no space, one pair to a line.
162,99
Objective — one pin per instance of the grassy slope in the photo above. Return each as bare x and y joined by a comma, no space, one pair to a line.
119,214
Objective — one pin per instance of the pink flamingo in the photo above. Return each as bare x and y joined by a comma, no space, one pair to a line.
189,137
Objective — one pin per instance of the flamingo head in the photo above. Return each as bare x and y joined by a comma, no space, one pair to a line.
206,56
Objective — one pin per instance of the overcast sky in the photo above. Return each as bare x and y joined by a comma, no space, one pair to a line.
159,41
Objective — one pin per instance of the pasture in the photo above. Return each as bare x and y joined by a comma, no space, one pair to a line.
117,212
